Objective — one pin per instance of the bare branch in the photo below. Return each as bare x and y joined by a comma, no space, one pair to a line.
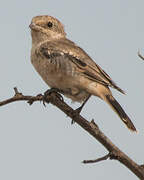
97,160
90,127
140,55
20,97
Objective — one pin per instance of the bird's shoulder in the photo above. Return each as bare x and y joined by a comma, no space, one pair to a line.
65,46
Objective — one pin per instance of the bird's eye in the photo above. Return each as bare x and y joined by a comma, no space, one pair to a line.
49,24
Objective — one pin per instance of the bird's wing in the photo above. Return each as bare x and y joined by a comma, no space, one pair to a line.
76,55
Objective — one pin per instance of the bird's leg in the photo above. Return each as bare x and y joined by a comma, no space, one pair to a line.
52,90
78,110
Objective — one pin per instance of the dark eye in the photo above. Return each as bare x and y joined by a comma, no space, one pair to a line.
49,24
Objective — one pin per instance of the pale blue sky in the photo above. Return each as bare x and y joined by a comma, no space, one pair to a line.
38,143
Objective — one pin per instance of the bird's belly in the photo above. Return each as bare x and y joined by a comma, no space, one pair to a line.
57,78
68,85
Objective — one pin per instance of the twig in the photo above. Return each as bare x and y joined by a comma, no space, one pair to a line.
140,55
97,160
20,97
90,127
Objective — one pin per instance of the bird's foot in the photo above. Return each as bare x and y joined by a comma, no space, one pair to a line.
49,92
76,113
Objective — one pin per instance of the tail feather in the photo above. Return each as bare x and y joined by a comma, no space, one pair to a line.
119,110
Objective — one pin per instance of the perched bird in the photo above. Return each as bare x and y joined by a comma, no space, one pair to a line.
65,66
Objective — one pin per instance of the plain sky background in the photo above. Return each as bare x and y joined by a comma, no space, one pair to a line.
38,143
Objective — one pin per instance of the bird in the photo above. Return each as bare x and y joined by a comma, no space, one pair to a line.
65,66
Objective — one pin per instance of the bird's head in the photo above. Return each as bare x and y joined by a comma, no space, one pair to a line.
46,27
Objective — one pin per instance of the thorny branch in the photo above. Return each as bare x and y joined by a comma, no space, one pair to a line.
90,127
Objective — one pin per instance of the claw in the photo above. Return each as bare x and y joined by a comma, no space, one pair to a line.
52,90
76,113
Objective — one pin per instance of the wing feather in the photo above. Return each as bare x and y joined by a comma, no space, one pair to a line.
67,49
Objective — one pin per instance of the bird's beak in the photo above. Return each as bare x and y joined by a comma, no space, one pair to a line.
32,26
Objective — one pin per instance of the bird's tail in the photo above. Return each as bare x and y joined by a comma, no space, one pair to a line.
119,110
